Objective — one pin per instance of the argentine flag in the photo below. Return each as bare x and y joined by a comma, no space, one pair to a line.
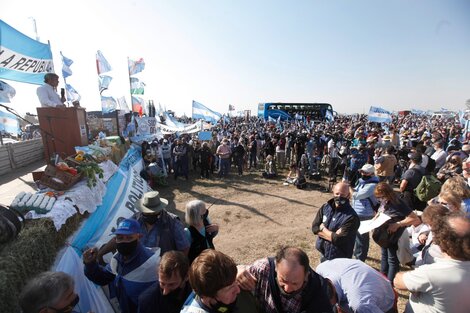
200,111
379,115
329,116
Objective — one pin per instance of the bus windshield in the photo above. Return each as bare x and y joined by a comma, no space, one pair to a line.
287,111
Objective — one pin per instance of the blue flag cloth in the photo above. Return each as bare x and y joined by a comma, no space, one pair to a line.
7,92
136,66
379,115
329,116
108,104
66,63
8,123
23,59
72,94
200,111
104,81
102,65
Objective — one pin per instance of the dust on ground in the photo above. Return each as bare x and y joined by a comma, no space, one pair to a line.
256,216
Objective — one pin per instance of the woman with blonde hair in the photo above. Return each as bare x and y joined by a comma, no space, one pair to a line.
200,230
455,194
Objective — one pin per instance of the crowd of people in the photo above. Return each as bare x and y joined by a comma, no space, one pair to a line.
412,173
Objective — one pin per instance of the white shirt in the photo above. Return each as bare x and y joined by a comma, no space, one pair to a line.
48,97
443,286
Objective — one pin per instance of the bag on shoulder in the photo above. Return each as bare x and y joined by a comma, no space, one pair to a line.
383,238
428,188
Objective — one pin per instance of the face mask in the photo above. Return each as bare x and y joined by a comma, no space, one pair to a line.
150,218
126,248
69,308
365,177
339,201
224,308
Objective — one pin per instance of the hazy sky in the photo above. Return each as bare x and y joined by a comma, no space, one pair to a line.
352,54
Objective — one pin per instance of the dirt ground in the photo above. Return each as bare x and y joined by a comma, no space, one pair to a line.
256,216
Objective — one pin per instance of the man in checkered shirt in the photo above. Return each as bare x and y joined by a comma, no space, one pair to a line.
286,283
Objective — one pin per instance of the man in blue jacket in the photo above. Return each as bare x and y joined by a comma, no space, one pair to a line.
364,202
131,270
336,224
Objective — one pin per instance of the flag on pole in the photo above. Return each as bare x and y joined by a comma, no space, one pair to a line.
108,104
329,116
66,63
123,104
102,65
136,66
72,94
200,111
137,105
104,81
23,59
231,107
137,87
379,115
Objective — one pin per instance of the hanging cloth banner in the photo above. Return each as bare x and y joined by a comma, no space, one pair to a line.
123,190
187,129
23,59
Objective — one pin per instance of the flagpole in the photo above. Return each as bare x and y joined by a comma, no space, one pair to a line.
130,86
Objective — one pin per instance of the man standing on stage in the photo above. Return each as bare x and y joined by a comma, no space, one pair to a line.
47,93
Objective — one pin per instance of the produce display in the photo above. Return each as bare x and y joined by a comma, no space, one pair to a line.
26,201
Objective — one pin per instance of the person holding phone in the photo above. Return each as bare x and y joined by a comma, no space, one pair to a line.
47,93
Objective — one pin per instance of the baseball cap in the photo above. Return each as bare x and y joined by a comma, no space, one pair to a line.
127,227
367,169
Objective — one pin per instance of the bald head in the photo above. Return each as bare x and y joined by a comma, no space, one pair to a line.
341,190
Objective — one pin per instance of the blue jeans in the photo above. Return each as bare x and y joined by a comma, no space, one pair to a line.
390,265
224,167
361,247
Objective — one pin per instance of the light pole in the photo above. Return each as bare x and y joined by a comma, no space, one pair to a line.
35,27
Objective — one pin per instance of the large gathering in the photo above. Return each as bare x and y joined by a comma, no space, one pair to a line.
413,171
257,156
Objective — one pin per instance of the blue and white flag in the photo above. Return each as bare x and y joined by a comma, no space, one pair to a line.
72,94
108,104
102,65
7,92
104,81
66,63
23,59
9,123
379,115
329,116
123,104
200,111
171,121
136,66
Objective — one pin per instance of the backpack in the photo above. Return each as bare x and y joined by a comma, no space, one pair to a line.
428,188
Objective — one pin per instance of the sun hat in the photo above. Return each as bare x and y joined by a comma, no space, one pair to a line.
387,138
128,227
151,203
368,169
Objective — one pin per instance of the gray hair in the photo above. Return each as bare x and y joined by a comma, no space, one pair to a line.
45,290
194,211
49,76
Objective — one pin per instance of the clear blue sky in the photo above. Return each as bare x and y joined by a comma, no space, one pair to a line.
352,54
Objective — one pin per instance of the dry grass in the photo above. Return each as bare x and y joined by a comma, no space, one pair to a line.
256,216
